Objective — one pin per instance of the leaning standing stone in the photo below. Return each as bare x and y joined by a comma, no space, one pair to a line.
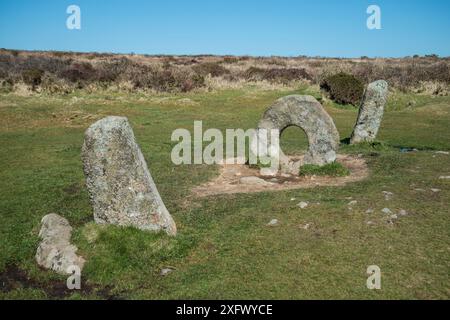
120,186
55,251
370,112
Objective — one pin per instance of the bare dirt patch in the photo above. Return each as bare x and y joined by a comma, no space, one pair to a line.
230,179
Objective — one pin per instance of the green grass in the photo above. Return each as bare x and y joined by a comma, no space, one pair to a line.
224,248
334,169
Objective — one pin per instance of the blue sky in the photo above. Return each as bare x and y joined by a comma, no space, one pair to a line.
283,27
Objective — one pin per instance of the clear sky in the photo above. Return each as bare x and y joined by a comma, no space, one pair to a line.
284,27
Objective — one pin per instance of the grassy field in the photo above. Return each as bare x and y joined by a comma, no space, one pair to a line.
224,248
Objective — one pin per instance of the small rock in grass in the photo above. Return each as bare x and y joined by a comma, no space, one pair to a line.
305,226
403,212
352,203
394,217
386,210
292,199
444,177
370,210
419,190
164,272
273,222
370,223
442,152
387,195
435,190
302,205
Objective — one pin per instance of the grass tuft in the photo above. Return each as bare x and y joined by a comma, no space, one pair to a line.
334,169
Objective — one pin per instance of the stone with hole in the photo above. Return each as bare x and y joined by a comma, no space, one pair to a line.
308,114
121,188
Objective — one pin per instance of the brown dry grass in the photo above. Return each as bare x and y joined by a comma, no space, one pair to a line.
66,71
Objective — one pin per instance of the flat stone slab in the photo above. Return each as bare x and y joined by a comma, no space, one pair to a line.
121,188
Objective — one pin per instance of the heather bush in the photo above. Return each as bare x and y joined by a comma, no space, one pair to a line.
32,77
79,72
210,68
166,79
427,75
280,75
230,59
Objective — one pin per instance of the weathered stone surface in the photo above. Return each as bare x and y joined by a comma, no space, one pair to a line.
370,112
55,251
302,205
273,222
308,114
120,186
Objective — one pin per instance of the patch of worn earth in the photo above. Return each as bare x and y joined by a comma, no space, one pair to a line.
230,179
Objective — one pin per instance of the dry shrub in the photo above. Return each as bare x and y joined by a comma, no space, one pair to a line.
166,80
32,77
430,75
280,75
79,72
230,59
210,68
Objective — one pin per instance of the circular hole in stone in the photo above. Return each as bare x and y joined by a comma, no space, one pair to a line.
293,141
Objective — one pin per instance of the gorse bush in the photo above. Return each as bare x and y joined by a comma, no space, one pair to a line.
32,77
343,88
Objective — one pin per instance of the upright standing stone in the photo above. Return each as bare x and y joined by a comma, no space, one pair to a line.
370,112
121,188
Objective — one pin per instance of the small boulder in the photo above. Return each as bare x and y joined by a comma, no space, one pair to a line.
302,205
55,252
